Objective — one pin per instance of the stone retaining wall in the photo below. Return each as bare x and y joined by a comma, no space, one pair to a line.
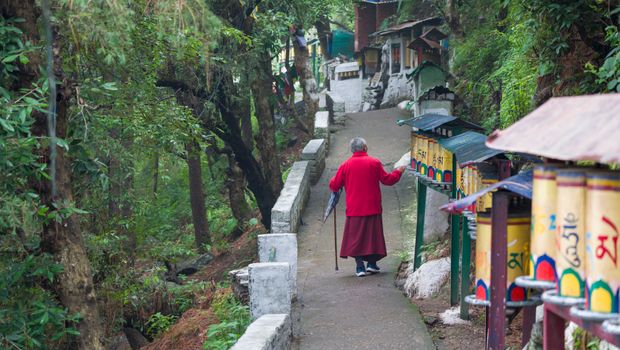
321,126
280,247
286,213
336,107
314,153
269,332
269,289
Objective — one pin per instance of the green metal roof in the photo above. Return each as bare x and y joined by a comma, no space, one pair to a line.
430,121
469,147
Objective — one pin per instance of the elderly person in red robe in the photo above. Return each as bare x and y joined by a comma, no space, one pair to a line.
360,176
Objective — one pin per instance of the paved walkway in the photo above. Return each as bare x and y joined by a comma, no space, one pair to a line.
337,310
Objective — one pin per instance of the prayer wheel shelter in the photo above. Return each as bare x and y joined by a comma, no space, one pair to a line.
568,129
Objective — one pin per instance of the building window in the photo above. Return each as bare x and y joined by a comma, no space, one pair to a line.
395,58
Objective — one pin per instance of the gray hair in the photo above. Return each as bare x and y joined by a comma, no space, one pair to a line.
357,144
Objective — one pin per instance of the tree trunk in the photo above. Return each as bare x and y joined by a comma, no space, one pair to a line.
453,19
236,195
324,30
262,90
263,187
74,285
196,196
308,84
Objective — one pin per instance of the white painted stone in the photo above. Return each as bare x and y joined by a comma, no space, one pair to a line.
280,247
569,336
268,332
269,289
351,91
436,222
321,125
427,281
399,88
347,67
452,316
286,213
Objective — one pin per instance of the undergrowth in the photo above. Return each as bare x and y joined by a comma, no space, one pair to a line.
234,318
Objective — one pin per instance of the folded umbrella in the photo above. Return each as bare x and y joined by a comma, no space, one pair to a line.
331,204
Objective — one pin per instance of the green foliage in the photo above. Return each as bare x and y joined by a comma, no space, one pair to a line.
609,73
30,318
234,318
158,324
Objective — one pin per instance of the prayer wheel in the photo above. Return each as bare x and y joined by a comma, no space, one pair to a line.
432,159
447,166
439,165
414,151
516,258
460,182
602,231
544,200
422,154
486,202
570,234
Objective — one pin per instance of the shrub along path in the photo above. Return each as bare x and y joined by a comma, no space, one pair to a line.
335,309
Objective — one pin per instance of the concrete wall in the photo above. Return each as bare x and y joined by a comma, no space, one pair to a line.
268,332
436,222
269,289
321,126
314,153
434,106
286,213
280,247
336,107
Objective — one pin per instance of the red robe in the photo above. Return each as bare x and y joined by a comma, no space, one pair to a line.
360,176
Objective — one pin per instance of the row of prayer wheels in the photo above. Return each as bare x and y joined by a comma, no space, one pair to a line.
429,159
473,178
570,239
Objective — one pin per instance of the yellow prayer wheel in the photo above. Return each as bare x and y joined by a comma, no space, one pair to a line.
439,169
447,166
543,249
414,151
602,231
518,238
570,234
422,154
432,161
460,182
486,201
474,179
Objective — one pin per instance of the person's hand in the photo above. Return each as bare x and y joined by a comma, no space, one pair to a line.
401,169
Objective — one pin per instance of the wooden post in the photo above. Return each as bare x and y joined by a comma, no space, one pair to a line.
465,270
529,317
553,330
497,311
454,245
419,232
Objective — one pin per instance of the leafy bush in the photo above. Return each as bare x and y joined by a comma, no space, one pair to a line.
158,324
234,319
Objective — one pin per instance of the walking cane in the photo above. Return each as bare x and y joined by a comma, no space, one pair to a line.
335,241
331,206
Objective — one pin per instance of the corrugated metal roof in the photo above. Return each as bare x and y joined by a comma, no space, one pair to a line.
469,147
520,184
567,128
430,121
408,25
424,43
